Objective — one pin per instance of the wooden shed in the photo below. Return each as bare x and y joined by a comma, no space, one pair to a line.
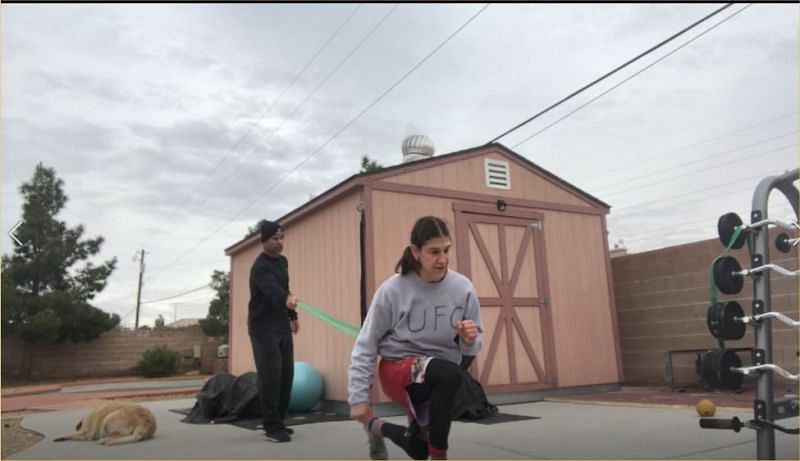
534,246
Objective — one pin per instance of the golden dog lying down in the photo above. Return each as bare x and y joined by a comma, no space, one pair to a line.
115,423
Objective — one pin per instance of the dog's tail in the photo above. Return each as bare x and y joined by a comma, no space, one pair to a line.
64,438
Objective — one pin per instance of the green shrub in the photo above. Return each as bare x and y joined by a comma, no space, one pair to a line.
159,361
42,327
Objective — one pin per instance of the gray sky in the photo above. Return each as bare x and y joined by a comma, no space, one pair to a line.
173,129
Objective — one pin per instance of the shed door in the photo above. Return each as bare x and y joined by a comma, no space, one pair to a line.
504,258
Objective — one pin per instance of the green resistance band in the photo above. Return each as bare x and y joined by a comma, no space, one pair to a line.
344,327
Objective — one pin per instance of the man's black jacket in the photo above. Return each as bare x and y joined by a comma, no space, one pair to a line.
269,288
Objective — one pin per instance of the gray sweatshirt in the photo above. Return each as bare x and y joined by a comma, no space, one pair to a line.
412,317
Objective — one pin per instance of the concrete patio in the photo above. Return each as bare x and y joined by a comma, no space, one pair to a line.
565,430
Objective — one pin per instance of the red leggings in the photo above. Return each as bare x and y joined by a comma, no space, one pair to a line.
430,403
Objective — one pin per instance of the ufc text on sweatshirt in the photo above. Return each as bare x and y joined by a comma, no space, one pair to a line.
411,317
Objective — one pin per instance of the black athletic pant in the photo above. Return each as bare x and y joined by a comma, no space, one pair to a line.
442,380
274,357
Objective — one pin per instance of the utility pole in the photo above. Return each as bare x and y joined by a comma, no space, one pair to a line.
175,312
139,291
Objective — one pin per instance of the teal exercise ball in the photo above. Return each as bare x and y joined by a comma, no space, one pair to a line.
306,388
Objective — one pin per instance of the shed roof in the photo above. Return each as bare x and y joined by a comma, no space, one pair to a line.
359,179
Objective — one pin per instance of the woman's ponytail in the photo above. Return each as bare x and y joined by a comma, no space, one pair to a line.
407,262
424,229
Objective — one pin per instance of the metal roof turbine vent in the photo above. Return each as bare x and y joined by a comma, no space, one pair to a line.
417,147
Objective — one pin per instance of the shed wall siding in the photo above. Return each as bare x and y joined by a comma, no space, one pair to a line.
240,358
580,304
582,316
324,272
395,215
468,175
323,251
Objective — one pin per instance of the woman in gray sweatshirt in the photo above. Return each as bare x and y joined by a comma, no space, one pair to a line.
420,322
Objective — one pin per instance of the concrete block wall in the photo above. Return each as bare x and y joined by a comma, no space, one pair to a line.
114,353
12,357
662,297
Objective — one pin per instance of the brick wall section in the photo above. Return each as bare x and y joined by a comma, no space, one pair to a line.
114,353
662,297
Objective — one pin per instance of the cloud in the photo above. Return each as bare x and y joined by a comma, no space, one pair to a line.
156,118
186,134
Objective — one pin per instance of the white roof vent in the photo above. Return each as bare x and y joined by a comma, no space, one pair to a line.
417,147
497,174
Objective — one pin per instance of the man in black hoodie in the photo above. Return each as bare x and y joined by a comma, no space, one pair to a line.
271,320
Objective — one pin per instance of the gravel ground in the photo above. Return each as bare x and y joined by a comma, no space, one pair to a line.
17,438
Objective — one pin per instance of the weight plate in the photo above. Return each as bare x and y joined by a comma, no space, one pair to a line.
731,328
782,243
724,277
728,379
707,371
714,317
726,225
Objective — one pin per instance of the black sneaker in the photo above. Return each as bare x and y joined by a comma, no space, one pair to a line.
278,436
288,430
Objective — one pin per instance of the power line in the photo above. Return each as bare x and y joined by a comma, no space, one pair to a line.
294,80
708,222
199,304
127,315
729,162
697,160
264,113
634,75
732,132
706,226
686,202
190,300
659,45
211,190
666,207
345,127
177,295
674,151
118,299
207,262
707,197
693,192
158,309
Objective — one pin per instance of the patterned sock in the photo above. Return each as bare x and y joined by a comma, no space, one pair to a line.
437,453
374,426
415,447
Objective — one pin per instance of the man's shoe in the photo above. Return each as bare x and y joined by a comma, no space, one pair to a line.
377,447
288,430
278,436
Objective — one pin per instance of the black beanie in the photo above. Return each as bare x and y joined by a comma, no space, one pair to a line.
268,229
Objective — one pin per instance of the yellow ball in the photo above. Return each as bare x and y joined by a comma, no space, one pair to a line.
706,407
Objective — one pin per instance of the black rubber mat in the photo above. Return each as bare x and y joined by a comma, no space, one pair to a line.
293,420
498,418
320,417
